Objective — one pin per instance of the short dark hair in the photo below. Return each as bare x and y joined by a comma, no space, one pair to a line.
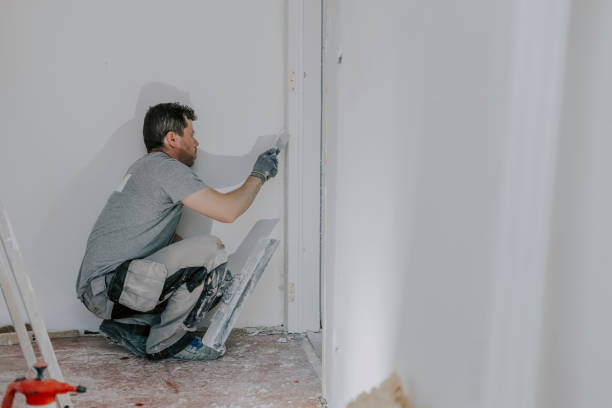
163,118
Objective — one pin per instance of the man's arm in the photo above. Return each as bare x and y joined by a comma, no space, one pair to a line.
224,207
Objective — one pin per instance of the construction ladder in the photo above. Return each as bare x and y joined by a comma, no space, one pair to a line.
13,274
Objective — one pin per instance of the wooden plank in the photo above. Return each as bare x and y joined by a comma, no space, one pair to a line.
11,338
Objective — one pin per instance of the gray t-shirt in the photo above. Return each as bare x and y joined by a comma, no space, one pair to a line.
140,217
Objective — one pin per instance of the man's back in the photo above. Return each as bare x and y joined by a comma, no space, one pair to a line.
140,217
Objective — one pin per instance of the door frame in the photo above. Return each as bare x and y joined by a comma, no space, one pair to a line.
303,230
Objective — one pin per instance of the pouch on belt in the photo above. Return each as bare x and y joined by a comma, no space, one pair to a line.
138,284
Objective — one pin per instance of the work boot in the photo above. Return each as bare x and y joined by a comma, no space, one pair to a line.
131,336
197,351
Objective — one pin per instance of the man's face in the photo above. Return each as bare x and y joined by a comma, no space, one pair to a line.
188,146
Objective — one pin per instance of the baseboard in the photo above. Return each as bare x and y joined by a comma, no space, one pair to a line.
9,339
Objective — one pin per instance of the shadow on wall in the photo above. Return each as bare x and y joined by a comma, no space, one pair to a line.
61,240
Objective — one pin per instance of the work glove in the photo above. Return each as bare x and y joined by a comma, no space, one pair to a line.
266,165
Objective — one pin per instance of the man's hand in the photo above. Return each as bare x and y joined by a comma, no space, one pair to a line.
266,165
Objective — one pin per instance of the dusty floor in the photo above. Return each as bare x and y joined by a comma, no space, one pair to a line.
258,370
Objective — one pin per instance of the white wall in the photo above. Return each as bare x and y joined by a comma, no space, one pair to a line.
76,80
448,128
413,124
576,352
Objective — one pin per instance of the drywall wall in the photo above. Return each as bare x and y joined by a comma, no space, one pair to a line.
436,116
76,80
576,353
416,95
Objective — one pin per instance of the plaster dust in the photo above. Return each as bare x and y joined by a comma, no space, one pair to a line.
257,371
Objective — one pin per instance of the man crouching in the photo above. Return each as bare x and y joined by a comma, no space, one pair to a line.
151,287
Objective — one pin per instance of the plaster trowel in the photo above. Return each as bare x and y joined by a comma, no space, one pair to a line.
246,265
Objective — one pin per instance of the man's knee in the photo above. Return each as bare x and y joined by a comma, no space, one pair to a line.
205,251
209,240
219,243
204,241
213,250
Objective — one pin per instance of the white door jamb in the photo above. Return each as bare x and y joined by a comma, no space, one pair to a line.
303,165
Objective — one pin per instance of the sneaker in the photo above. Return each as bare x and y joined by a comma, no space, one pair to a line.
131,336
197,351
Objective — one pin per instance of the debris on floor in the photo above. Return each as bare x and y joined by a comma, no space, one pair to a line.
256,331
258,370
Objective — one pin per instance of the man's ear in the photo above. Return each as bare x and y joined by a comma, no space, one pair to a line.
170,139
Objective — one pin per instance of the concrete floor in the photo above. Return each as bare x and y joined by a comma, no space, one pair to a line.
259,370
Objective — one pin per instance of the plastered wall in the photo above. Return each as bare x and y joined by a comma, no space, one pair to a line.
576,353
418,97
76,80
414,112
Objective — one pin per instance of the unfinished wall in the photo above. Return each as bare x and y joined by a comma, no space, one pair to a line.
415,100
443,125
76,80
576,345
